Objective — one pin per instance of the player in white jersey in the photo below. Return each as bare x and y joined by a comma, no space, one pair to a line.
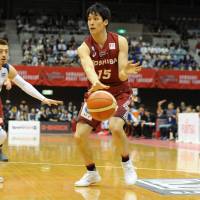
7,71
8,86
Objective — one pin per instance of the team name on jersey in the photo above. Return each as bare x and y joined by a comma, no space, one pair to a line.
105,62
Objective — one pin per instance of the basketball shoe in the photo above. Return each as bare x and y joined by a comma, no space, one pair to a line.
89,178
130,174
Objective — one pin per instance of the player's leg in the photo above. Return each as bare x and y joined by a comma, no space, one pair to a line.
83,129
3,135
116,126
81,137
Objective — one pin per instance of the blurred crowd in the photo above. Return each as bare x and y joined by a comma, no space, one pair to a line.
172,56
145,123
23,112
53,49
142,122
161,124
32,21
50,50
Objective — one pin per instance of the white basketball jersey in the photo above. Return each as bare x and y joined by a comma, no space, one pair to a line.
3,74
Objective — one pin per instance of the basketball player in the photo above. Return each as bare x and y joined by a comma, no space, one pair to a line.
7,71
104,58
8,86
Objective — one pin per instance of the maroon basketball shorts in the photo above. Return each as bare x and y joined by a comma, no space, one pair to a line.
123,101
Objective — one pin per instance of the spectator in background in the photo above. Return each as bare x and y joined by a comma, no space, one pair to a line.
162,121
43,116
182,106
169,125
147,124
54,115
32,116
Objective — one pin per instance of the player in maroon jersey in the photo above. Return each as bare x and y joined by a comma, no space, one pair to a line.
104,58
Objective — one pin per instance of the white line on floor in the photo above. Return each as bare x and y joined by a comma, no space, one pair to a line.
99,166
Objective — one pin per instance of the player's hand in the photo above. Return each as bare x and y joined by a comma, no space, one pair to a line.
52,102
98,86
133,68
8,84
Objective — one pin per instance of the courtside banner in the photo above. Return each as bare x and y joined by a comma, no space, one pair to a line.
75,77
31,74
23,133
55,127
173,79
64,76
145,79
189,128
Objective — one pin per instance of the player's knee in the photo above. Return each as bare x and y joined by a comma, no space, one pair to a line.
79,135
3,136
116,127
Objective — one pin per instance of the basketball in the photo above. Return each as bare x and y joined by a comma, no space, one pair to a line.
101,105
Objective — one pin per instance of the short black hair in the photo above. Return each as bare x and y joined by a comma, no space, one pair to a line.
101,9
3,42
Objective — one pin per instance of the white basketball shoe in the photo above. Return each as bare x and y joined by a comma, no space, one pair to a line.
130,174
89,178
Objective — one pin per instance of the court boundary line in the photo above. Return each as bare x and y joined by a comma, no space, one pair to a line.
98,166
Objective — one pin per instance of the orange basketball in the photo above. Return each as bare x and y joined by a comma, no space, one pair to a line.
101,105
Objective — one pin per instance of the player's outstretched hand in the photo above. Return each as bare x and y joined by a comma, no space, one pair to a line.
8,84
52,102
98,86
133,68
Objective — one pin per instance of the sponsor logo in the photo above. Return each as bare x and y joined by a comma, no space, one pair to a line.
85,114
56,75
27,139
102,53
112,46
24,127
54,127
168,79
171,186
105,62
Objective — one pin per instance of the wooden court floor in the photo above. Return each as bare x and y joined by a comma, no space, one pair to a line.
49,171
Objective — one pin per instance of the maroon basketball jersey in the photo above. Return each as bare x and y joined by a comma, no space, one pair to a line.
106,60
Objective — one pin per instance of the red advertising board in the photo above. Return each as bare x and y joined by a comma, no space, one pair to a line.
75,77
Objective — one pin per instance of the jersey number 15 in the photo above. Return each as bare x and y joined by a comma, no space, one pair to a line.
104,73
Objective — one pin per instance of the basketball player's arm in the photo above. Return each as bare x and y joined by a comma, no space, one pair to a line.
126,67
88,67
28,88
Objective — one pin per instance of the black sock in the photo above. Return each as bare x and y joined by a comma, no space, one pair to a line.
91,167
125,158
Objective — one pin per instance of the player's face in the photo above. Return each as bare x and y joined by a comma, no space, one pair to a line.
3,54
96,24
